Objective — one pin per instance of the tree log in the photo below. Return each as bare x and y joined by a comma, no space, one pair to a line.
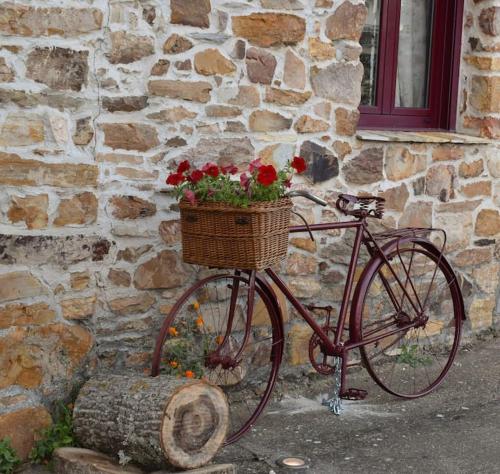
85,461
154,421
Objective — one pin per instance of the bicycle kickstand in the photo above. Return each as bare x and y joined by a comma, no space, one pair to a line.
334,403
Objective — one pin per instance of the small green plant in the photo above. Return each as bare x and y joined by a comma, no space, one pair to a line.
409,355
58,435
8,457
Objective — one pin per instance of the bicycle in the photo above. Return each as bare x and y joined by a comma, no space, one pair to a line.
405,317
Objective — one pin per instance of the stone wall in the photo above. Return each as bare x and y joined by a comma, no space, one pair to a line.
100,99
479,104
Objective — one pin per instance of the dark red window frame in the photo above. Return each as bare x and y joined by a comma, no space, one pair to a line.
443,72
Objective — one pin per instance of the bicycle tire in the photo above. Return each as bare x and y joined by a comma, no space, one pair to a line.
249,384
413,362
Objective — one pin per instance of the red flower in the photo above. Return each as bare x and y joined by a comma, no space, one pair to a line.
195,176
175,179
229,169
211,169
183,166
299,164
267,175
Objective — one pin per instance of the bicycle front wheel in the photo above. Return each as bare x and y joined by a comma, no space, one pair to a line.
412,310
210,334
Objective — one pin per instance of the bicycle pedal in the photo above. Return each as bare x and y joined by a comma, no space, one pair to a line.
354,394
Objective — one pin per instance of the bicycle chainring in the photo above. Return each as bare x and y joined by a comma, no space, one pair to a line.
322,363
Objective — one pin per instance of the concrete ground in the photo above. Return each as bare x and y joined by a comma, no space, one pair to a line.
453,430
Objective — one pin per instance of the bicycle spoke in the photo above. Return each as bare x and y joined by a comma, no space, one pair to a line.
409,364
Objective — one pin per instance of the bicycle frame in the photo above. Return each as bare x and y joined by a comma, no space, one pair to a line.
338,347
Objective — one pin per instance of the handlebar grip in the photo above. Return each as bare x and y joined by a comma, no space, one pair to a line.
307,195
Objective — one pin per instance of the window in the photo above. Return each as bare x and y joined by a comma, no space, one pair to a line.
411,55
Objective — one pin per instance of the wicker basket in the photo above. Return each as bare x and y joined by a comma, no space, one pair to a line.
223,236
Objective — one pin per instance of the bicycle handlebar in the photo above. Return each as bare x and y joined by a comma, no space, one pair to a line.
307,195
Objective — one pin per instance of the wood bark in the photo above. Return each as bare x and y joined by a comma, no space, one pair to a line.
154,421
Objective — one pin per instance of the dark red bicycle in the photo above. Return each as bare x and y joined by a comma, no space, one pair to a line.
404,316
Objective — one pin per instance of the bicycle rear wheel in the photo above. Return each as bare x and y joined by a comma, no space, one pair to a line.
206,335
409,362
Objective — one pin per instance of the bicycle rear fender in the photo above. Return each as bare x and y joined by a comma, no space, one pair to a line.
273,299
369,270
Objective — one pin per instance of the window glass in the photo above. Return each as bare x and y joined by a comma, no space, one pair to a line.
414,51
369,56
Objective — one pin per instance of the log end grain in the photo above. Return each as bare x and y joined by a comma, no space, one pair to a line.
195,425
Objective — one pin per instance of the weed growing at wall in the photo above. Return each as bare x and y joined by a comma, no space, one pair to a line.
59,435
8,457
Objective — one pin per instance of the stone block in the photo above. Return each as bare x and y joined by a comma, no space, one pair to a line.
270,29
261,65
15,171
267,121
321,51
166,270
18,314
481,313
417,214
58,68
400,163
278,96
26,20
322,164
32,210
307,124
22,426
78,308
130,136
339,82
127,48
211,62
132,304
21,129
57,250
347,22
440,182
298,344
365,168
294,72
346,121
196,91
131,207
18,285
190,12
485,93
487,223
81,209
176,44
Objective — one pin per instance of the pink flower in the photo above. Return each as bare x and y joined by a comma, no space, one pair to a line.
229,169
254,165
190,196
244,181
288,183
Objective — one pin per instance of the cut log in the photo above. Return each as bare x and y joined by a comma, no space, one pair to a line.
85,461
154,421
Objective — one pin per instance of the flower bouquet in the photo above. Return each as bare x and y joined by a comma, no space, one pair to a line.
231,221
